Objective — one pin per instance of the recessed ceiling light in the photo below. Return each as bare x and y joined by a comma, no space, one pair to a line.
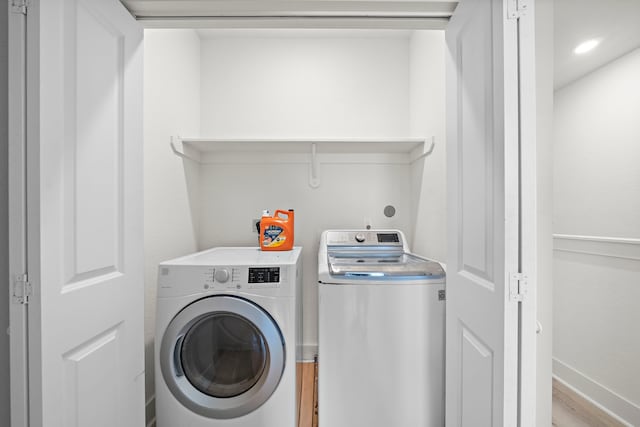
586,46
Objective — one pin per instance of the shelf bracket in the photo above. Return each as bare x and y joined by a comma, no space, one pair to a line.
314,168
425,153
176,142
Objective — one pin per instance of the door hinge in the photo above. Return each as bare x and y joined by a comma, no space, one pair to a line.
517,8
19,6
21,290
518,287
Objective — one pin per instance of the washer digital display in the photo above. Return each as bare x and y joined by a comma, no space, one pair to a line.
264,274
388,238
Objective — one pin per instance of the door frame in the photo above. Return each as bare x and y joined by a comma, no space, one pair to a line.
18,211
527,354
525,13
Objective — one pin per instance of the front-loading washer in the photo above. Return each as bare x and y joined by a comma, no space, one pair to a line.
228,333
381,332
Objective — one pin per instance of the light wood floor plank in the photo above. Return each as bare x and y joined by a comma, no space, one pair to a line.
307,395
572,410
314,420
298,390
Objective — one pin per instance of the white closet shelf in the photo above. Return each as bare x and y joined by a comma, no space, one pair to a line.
303,145
312,151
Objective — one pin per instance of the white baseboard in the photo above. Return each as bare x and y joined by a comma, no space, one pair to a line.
309,352
615,405
150,411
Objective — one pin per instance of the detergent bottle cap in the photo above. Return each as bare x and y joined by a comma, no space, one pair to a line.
266,212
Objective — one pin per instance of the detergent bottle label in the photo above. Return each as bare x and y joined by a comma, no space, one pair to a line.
273,237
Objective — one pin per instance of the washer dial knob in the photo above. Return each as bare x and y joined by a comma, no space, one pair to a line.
360,238
221,275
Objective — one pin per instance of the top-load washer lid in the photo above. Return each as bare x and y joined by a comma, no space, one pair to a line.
381,265
372,256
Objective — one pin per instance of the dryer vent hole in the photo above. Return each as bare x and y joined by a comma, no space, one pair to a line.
389,211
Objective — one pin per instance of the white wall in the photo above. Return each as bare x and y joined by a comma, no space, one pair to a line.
171,107
4,223
597,258
233,194
305,84
309,87
427,119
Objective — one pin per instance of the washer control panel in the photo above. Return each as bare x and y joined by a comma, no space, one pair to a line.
223,278
231,270
364,238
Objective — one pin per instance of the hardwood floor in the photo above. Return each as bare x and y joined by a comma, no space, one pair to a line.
308,385
572,410
569,409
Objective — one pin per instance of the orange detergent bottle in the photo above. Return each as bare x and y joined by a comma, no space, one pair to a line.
276,232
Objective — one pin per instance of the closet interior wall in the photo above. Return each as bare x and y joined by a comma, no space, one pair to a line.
288,84
171,105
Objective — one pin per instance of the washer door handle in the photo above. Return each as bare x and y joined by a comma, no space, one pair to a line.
177,363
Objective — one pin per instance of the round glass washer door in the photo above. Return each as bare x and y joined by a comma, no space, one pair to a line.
222,356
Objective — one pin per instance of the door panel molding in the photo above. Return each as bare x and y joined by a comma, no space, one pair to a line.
477,380
475,158
93,69
87,372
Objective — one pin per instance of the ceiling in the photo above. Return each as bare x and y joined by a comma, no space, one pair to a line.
361,14
615,22
209,33
144,9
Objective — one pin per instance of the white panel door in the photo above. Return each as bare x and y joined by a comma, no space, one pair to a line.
85,241
483,223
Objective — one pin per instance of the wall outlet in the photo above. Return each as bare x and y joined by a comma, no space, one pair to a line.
367,223
254,225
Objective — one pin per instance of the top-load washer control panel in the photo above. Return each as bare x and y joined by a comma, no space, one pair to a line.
364,238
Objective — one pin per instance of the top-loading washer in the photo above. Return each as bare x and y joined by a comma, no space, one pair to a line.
228,333
381,332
